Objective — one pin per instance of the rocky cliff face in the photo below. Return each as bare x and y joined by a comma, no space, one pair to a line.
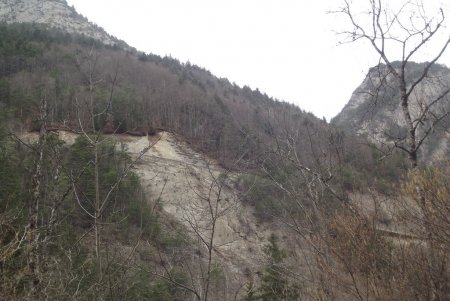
374,109
54,13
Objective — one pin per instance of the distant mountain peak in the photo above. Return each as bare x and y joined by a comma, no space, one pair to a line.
54,13
374,109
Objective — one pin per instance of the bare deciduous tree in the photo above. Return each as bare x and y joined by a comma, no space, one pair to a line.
36,195
89,111
401,34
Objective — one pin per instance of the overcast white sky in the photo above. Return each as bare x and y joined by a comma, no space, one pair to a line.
286,48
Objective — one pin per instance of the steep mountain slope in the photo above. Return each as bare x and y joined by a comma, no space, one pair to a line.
374,109
54,13
183,178
212,128
148,92
192,218
180,181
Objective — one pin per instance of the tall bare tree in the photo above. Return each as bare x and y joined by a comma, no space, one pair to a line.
90,111
36,195
401,34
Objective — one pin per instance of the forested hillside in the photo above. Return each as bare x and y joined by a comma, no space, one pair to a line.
147,92
130,176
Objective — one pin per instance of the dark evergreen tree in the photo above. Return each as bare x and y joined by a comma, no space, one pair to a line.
275,285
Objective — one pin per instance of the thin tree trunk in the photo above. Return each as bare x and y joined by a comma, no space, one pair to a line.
33,253
412,157
411,138
97,211
210,251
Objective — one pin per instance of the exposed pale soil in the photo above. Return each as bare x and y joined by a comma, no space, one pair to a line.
184,180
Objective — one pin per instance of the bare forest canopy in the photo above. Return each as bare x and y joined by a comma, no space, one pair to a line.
123,173
150,93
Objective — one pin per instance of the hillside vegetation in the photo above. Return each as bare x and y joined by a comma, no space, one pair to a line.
128,176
